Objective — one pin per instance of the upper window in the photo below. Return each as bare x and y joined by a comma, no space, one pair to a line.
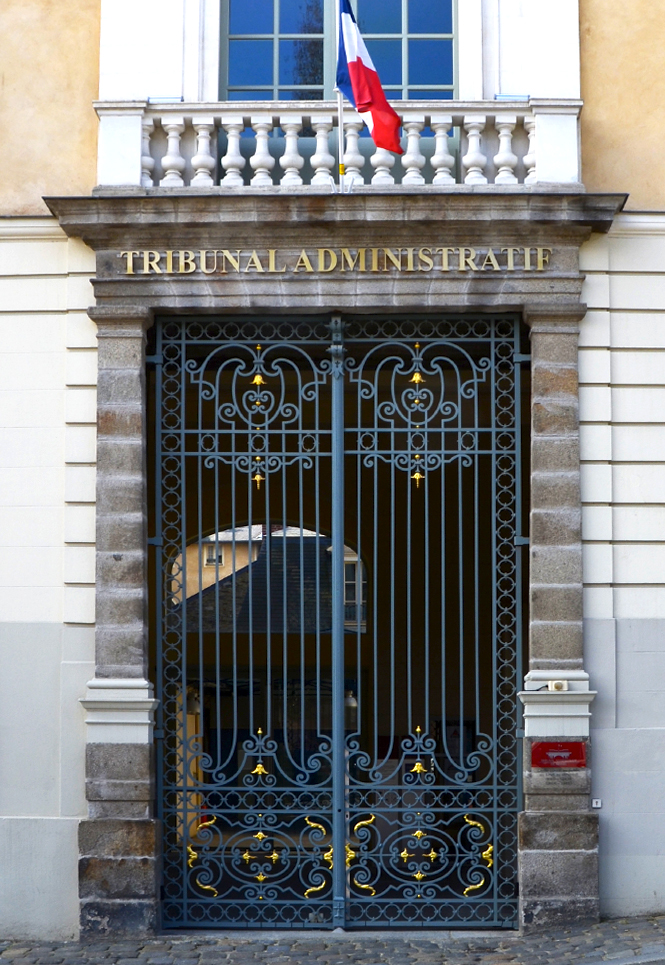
286,50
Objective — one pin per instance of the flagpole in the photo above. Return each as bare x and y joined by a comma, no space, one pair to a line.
340,106
340,138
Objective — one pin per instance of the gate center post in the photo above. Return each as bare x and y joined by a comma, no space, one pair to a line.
339,820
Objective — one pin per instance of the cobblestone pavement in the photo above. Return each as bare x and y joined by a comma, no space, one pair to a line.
635,940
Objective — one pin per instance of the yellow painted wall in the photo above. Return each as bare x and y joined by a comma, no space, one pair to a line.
49,77
623,86
210,574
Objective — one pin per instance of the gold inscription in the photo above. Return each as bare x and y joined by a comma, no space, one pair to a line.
326,261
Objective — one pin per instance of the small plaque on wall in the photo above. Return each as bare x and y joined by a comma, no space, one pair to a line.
558,754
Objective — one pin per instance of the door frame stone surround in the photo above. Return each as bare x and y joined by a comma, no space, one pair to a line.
558,833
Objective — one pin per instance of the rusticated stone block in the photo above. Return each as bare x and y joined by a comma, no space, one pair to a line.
121,568
558,831
120,455
556,564
120,492
100,919
537,915
121,647
116,838
118,386
121,351
551,454
117,877
121,532
556,641
556,602
556,527
558,874
554,381
123,421
120,762
555,490
554,417
120,607
548,348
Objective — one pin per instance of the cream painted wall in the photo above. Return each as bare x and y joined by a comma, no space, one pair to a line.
622,423
49,77
623,87
47,532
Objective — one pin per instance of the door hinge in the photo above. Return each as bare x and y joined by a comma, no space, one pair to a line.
520,357
154,540
522,541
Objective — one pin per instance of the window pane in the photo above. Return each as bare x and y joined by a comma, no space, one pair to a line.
300,95
387,57
301,17
430,95
380,16
430,17
250,62
250,95
431,61
251,16
301,62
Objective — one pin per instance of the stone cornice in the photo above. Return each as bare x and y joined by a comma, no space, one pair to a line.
140,218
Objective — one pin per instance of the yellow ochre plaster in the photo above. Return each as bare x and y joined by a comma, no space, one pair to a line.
623,86
49,77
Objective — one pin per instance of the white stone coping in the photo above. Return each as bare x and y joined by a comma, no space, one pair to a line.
119,710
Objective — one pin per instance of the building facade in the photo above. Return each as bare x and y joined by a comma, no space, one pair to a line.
431,695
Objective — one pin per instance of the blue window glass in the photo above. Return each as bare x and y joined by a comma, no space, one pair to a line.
275,46
430,95
301,17
431,61
301,62
250,16
380,16
387,57
301,95
250,95
430,17
250,62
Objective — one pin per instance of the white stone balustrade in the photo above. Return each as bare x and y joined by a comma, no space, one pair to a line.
284,145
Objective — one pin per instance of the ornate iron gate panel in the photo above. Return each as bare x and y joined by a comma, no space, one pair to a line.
337,617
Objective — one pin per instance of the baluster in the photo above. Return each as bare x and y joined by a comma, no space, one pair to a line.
474,160
442,161
173,163
505,160
262,162
147,160
382,161
530,156
233,162
413,161
353,159
322,160
203,162
291,161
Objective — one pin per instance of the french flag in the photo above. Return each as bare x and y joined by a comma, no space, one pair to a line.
358,80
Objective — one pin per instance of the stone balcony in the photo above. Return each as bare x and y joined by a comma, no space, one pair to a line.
238,146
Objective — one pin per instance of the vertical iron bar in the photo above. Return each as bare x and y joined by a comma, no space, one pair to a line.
339,764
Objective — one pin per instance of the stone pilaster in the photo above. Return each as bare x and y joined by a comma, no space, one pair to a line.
558,833
118,841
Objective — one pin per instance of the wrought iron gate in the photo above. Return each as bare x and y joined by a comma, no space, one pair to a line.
337,614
